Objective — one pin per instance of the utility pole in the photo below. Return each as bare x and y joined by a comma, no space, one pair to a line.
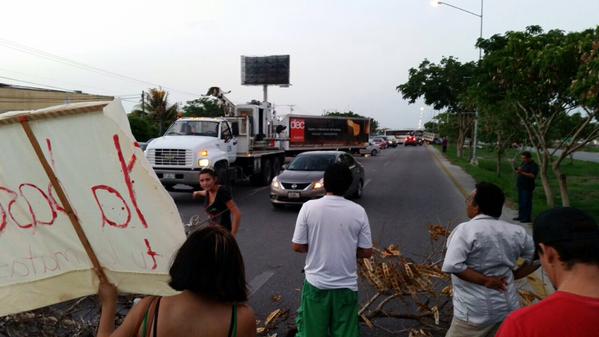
143,105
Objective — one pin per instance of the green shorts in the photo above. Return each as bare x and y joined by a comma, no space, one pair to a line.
330,312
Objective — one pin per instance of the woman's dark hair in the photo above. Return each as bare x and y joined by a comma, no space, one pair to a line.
209,263
337,179
208,171
489,198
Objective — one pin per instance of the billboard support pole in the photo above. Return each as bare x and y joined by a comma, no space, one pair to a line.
265,91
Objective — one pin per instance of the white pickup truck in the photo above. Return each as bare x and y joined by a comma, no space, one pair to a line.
237,147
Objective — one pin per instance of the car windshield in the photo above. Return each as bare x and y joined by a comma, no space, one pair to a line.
193,128
312,162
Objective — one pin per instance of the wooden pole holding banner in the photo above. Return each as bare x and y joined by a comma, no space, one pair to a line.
24,120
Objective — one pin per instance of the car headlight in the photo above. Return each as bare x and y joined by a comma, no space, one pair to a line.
203,153
319,184
204,162
275,183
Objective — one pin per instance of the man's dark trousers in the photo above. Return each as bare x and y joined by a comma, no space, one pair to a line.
524,204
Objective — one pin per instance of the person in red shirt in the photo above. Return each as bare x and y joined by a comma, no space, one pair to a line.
567,241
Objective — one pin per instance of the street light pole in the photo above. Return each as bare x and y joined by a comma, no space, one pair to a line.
474,158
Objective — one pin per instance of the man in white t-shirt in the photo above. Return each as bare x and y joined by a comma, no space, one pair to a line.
334,232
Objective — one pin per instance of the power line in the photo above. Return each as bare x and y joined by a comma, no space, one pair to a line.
50,79
56,58
34,83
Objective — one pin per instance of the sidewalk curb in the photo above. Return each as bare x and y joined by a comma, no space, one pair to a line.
464,183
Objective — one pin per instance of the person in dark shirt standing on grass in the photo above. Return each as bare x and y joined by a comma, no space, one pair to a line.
527,173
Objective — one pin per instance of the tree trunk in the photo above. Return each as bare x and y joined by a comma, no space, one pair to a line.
549,196
561,180
460,143
563,187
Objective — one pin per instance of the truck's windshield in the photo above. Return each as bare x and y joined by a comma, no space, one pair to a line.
193,128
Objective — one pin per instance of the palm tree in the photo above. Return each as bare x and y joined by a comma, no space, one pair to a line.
156,106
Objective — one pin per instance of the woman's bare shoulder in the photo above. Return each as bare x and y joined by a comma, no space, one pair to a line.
246,321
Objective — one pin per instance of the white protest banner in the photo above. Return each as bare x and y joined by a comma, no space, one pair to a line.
131,223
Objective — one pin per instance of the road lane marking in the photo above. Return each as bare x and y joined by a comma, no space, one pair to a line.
256,191
386,163
257,282
366,183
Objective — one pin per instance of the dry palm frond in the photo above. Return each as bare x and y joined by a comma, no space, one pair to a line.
437,231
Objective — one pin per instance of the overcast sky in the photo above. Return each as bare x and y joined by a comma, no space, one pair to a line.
345,54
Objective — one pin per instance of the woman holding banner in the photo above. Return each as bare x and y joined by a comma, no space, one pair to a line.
219,202
209,272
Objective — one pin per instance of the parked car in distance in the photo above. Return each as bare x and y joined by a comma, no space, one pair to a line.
392,141
372,149
411,140
380,142
302,179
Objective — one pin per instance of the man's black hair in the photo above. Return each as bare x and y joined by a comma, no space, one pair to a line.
573,233
337,179
526,154
489,198
210,264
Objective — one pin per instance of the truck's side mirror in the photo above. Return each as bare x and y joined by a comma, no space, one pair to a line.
235,129
285,166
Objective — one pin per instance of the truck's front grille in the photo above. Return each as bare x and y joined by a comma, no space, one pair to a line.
169,157
295,186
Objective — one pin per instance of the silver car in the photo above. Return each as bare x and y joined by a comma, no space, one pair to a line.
302,179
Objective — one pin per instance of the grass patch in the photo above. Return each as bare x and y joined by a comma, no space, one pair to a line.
582,177
590,148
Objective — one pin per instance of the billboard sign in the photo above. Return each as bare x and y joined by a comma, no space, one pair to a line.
264,70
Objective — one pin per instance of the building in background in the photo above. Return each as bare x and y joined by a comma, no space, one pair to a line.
14,97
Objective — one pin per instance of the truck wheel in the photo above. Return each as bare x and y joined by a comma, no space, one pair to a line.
276,167
266,172
373,152
221,172
264,177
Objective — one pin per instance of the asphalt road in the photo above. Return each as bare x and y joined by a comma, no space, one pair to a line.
405,191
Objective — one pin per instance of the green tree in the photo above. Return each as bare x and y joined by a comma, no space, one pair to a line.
431,126
444,86
207,106
142,127
533,72
156,106
374,124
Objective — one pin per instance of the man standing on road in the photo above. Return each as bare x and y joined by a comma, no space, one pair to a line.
334,232
527,172
481,258
567,241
